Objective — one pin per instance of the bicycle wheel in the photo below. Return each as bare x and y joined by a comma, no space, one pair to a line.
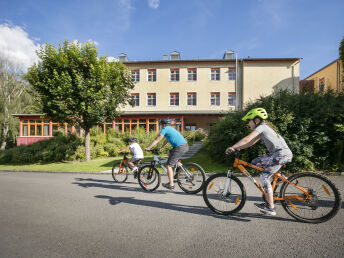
229,204
119,173
149,178
190,178
325,199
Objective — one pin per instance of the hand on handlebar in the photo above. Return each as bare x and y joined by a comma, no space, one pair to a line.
230,150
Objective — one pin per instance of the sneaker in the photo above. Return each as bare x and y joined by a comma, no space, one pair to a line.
135,172
168,186
264,208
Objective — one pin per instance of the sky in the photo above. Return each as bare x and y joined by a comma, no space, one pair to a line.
204,29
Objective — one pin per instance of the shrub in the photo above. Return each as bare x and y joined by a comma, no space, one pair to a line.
306,122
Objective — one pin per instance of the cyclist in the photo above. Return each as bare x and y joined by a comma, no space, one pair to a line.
279,152
137,154
179,144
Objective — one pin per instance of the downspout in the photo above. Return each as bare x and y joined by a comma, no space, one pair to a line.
236,81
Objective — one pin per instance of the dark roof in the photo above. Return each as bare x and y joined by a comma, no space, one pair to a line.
213,60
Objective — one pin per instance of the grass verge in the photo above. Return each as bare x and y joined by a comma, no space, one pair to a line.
98,165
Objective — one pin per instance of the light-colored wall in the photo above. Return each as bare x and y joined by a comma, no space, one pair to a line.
264,78
163,87
330,73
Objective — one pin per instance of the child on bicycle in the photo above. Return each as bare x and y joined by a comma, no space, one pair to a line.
279,152
137,155
179,144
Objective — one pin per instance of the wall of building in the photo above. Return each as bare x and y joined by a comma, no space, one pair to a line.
262,78
333,75
163,86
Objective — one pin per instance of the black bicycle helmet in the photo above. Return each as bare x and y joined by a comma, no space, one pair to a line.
164,121
132,140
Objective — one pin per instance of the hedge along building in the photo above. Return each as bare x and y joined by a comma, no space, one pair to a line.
192,93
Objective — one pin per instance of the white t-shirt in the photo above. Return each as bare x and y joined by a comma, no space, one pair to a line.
136,150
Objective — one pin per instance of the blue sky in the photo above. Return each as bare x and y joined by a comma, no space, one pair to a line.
147,29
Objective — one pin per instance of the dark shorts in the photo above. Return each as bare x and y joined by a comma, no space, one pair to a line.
176,153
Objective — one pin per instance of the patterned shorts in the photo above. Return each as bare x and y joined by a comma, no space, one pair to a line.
271,163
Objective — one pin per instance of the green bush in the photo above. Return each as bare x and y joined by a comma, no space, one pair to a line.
310,124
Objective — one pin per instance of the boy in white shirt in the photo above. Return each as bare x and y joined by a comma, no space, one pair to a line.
137,155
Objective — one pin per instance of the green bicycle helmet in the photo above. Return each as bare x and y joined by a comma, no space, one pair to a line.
260,112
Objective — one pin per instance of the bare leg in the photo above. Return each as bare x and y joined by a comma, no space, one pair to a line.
170,174
270,199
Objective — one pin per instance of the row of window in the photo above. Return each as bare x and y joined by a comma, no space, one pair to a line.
191,99
192,74
41,127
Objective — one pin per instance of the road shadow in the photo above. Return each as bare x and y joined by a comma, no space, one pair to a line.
111,184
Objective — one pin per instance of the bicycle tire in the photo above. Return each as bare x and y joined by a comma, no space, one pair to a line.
323,188
212,194
119,176
191,185
148,178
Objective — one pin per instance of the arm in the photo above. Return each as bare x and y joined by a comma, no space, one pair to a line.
164,144
126,149
156,140
245,142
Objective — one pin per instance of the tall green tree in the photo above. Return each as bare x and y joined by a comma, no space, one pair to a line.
14,98
76,86
341,56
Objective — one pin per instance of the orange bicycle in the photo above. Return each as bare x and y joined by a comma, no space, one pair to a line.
306,196
121,170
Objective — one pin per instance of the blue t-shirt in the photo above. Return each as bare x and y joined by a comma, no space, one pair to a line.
173,136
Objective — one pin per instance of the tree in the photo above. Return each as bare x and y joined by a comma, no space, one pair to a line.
341,56
76,86
14,98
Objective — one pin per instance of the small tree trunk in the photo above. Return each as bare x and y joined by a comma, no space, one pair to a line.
4,135
87,145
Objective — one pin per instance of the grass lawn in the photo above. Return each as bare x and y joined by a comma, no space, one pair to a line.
98,165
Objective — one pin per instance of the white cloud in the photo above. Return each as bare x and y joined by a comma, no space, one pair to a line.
154,4
16,45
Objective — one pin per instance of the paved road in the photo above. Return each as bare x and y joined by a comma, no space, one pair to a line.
79,215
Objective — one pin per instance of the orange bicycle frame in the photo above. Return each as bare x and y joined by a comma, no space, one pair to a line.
240,164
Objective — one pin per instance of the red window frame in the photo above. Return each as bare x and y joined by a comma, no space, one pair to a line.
192,98
174,99
174,74
215,73
215,99
151,99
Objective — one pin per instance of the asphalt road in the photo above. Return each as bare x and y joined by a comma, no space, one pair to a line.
80,215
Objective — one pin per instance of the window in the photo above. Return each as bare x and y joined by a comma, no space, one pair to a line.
174,74
215,74
135,75
215,99
192,74
231,99
190,127
192,98
135,97
174,99
322,85
152,75
151,99
231,73
37,127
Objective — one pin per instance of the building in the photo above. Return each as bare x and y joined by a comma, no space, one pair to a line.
326,78
192,93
